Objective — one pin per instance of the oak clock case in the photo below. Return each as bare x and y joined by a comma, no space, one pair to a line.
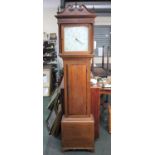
76,45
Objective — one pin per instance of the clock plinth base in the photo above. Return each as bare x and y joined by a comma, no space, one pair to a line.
77,133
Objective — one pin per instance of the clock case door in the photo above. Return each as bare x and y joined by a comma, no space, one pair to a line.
77,87
90,40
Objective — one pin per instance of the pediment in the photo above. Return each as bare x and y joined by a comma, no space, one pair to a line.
75,11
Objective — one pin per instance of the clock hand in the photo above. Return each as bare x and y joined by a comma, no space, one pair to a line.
78,41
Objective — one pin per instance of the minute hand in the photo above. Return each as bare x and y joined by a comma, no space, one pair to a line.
78,41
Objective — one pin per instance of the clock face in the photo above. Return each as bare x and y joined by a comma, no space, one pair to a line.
76,39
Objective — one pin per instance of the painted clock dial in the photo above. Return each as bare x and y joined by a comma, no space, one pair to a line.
76,39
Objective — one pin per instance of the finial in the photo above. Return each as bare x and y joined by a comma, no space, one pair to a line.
75,4
58,9
93,7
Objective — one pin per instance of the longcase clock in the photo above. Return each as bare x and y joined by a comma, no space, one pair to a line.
75,25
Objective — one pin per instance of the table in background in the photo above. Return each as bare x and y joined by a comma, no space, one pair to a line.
96,91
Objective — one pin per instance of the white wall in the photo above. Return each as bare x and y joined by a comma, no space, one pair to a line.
49,21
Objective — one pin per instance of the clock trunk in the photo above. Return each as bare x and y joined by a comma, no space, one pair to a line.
77,86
